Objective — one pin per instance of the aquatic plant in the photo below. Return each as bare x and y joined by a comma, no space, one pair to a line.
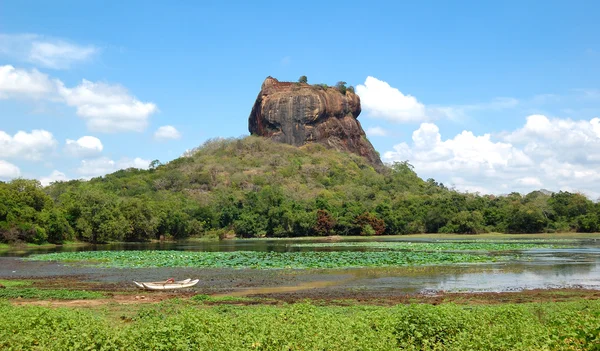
261,260
437,246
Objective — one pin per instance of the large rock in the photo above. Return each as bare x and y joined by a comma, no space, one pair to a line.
299,113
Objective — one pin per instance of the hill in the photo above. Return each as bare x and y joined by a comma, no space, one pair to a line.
255,187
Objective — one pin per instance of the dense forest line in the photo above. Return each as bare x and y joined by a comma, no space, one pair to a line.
253,187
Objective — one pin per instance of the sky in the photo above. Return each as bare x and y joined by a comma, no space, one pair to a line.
489,97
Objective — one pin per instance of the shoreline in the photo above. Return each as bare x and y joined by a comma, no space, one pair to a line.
561,235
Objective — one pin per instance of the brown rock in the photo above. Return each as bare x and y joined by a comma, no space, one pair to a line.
299,113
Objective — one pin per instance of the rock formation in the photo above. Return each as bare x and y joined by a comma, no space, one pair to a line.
299,113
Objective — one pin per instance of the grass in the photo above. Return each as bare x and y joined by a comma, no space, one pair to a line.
261,260
11,283
492,235
229,299
500,236
183,325
45,294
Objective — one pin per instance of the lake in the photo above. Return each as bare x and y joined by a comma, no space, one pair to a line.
574,264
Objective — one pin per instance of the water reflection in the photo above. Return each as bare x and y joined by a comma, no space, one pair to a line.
280,245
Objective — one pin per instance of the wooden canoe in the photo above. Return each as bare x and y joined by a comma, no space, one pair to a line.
166,285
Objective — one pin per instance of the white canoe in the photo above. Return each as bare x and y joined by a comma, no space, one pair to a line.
167,285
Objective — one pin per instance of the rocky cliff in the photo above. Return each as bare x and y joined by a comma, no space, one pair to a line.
299,113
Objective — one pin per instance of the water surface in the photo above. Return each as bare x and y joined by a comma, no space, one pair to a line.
576,265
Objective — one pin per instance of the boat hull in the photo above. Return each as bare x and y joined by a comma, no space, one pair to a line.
187,283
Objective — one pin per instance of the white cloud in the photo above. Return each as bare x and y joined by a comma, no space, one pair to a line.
381,100
19,83
104,165
556,154
8,170
104,107
108,108
532,182
465,152
29,146
465,185
133,163
85,146
166,133
45,52
96,167
376,131
565,140
55,176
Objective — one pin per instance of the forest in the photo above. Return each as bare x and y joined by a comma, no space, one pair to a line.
253,187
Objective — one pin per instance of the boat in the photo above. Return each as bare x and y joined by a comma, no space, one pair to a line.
167,285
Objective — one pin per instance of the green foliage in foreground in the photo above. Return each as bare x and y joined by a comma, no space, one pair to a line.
261,260
207,298
58,294
254,187
177,326
438,246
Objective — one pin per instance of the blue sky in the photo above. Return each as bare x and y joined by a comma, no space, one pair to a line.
482,96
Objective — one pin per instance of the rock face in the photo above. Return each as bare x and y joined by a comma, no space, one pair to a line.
299,113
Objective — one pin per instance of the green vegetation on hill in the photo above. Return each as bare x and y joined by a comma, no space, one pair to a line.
254,187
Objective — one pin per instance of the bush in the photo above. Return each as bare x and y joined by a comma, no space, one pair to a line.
303,80
325,223
9,235
369,224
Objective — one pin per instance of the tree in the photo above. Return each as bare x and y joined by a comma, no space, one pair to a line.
58,229
588,223
341,86
142,223
95,215
303,80
465,222
251,224
154,164
325,223
369,224
525,219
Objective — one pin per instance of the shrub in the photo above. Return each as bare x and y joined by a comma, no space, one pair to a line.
9,235
369,224
325,223
341,86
